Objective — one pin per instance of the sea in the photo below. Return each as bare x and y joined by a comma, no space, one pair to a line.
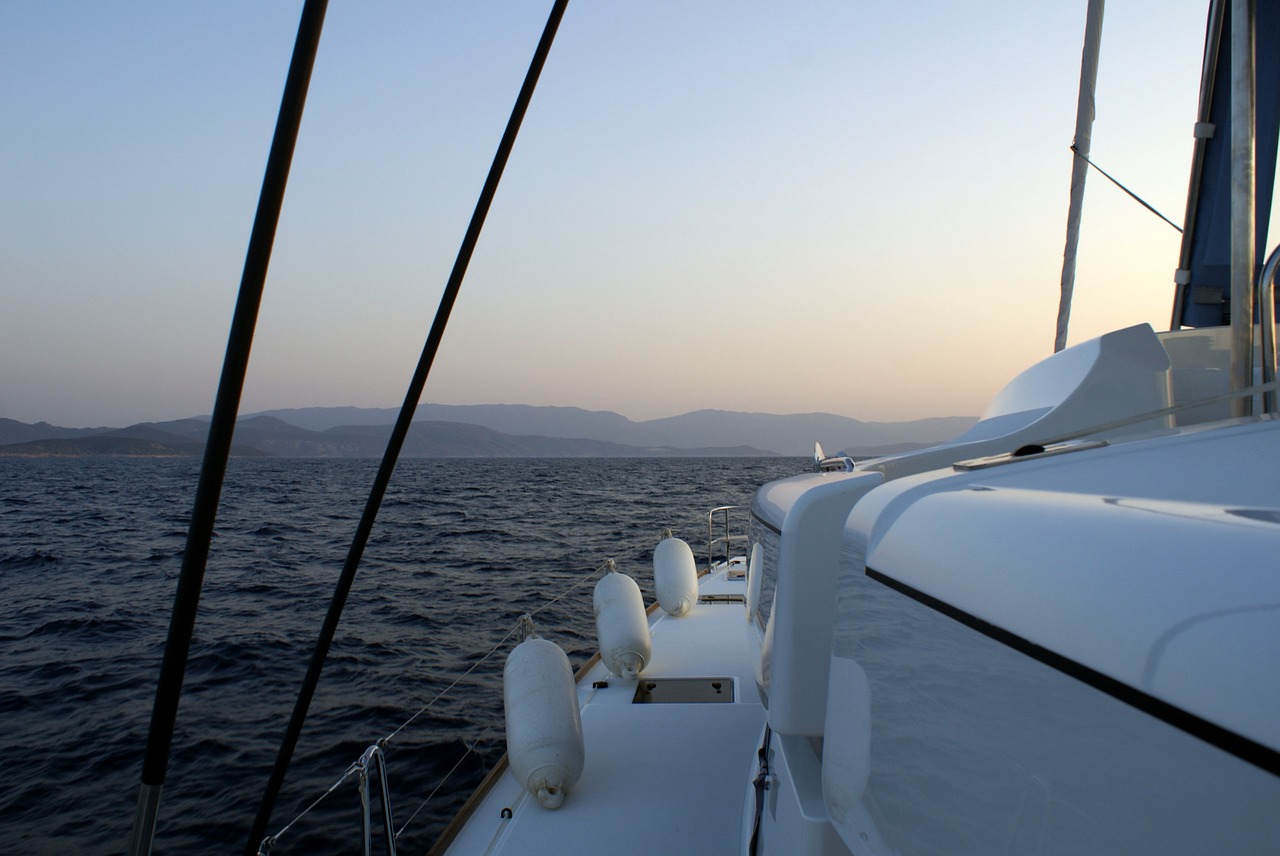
90,551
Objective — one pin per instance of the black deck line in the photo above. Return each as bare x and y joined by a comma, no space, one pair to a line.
1242,747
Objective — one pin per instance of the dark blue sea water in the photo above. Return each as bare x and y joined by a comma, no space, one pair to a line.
90,550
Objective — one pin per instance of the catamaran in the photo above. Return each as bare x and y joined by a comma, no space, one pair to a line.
1057,633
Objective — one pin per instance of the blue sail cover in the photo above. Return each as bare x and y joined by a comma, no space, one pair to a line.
1204,289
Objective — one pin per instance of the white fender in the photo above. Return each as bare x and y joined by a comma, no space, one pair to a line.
621,627
755,576
544,729
675,577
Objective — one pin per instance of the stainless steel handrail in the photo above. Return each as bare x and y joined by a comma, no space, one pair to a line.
374,760
727,540
1243,193
1266,302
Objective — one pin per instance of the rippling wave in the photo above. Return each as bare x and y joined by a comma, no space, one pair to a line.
90,551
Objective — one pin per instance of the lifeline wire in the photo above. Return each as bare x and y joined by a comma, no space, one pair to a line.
385,741
471,750
270,841
503,641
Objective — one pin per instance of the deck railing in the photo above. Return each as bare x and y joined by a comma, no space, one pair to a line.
722,545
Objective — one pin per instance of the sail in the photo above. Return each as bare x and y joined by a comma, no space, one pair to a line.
1204,270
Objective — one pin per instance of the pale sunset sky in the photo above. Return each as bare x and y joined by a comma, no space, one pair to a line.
849,207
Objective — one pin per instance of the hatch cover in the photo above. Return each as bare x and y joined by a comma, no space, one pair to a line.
683,691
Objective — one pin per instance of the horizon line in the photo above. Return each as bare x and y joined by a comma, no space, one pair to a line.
270,411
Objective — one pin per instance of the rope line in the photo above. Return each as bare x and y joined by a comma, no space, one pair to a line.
1135,196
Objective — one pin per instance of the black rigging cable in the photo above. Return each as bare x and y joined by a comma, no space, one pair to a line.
1135,196
398,433
222,425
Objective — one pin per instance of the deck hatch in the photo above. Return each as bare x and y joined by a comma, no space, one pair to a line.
723,598
683,691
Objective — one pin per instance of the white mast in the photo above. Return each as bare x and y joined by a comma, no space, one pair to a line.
1080,166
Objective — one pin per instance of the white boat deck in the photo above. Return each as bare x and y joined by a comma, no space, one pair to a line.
659,777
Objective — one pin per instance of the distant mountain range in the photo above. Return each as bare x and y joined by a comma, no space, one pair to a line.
498,430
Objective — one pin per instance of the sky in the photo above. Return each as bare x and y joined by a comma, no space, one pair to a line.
849,207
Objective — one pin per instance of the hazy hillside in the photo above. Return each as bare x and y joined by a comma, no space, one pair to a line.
265,435
12,431
792,434
493,431
514,419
